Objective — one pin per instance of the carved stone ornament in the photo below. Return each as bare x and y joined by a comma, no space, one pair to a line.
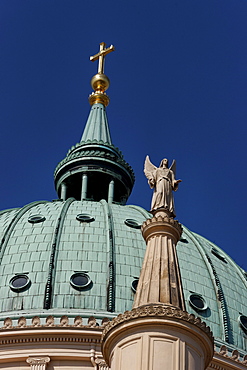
64,321
38,363
36,321
157,311
101,364
78,321
22,322
7,323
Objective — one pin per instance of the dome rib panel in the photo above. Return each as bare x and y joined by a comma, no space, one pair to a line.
197,285
54,251
12,224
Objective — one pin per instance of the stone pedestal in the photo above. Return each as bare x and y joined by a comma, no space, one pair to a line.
157,337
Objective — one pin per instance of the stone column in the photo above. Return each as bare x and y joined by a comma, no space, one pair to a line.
157,333
111,191
38,362
160,280
63,191
84,186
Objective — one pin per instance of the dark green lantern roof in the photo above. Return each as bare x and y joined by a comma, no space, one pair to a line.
96,158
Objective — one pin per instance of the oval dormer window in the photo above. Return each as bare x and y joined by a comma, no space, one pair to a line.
84,218
134,285
132,223
19,282
197,302
36,219
243,322
80,280
217,254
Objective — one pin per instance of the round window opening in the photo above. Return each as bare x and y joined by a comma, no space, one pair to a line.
19,283
134,285
243,322
197,302
132,223
84,218
36,219
80,280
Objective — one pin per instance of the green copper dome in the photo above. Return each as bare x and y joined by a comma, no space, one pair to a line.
108,247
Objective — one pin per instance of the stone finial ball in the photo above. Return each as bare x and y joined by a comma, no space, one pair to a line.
100,82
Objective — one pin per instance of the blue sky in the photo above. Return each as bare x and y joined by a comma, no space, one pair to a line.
178,90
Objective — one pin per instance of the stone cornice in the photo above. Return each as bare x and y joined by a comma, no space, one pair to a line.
157,311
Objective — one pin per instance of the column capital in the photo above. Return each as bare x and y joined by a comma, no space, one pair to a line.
38,362
161,224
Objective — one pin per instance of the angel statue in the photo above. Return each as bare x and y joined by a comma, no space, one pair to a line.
162,180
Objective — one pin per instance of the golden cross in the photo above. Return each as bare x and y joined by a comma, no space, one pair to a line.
101,56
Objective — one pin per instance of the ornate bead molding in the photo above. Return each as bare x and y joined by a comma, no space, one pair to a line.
159,311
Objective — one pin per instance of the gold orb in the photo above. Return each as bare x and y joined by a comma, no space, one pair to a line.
100,82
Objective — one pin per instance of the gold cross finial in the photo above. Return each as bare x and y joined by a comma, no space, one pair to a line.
101,56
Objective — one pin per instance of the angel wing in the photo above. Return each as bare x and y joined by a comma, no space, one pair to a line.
173,167
149,168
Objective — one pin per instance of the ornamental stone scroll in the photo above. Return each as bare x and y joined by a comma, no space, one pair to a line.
38,362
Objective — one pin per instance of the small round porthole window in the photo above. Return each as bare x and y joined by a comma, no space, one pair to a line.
132,223
197,302
18,283
36,219
134,285
80,280
243,322
84,218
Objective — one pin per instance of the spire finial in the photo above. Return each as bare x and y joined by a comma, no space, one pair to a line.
100,82
101,56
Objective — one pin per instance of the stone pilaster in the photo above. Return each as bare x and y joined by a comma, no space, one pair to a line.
160,280
38,362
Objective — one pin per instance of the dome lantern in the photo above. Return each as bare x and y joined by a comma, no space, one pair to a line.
95,169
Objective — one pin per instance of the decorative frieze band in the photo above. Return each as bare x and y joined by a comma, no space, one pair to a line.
229,354
157,311
50,322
